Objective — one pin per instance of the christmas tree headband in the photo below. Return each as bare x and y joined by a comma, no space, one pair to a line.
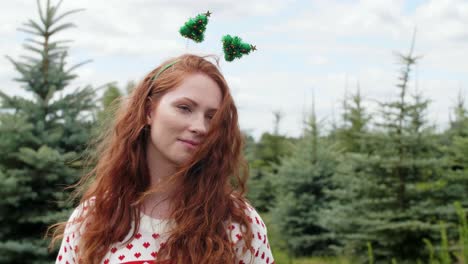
233,47
194,29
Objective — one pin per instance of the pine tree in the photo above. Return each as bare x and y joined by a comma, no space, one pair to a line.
386,195
355,124
300,182
40,140
110,102
264,156
455,153
343,214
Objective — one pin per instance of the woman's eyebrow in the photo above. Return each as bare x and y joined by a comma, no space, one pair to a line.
196,104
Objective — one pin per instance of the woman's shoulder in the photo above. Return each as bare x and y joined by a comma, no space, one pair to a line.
255,220
78,216
259,251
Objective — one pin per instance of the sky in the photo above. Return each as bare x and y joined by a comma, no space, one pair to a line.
318,49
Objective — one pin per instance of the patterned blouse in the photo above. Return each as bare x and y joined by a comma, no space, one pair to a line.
151,236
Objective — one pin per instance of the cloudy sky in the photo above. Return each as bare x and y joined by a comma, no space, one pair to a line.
305,48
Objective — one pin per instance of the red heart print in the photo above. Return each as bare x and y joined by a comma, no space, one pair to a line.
113,250
121,257
129,246
137,255
155,236
146,244
137,236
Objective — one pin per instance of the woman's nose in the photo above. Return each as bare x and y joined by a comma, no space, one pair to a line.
199,125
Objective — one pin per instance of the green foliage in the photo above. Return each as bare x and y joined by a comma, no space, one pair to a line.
110,101
235,48
447,251
111,94
462,232
300,181
370,253
40,140
351,136
391,191
444,253
282,256
195,28
430,248
262,157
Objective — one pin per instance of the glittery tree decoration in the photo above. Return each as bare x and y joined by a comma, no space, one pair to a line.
195,28
233,47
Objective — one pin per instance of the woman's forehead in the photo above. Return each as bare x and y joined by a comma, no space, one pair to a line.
197,89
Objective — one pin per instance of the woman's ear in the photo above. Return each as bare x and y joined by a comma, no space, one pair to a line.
148,118
149,110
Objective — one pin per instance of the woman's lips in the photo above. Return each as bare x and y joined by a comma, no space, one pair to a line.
188,143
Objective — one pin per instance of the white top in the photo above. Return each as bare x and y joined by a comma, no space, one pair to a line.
152,235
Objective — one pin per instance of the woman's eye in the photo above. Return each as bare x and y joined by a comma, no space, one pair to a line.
185,108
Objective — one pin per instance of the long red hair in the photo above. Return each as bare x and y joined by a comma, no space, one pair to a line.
208,190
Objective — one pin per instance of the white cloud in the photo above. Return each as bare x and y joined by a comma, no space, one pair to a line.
303,48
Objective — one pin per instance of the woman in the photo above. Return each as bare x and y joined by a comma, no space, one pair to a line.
169,179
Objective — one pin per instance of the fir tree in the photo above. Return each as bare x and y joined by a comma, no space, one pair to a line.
402,176
455,157
110,102
343,215
40,140
264,157
300,183
386,195
355,124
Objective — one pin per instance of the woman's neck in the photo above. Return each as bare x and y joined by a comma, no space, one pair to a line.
157,205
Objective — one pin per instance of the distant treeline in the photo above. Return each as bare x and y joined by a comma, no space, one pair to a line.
385,179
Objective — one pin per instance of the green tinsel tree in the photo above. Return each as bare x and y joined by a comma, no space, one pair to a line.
235,48
195,28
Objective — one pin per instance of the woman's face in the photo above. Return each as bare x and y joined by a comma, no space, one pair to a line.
182,118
